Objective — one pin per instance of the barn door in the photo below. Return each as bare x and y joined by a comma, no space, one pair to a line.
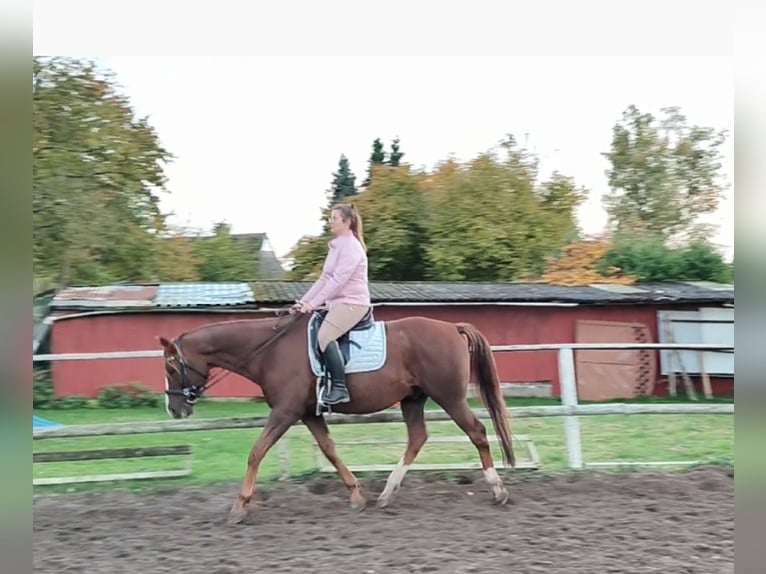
609,375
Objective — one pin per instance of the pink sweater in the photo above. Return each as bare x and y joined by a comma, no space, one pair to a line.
344,275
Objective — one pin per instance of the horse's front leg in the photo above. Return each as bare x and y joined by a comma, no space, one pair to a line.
276,426
318,427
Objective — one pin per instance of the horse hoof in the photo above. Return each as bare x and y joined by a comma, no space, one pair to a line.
383,502
501,497
358,504
236,515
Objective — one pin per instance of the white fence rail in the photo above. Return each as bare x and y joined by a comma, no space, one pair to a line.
571,410
497,348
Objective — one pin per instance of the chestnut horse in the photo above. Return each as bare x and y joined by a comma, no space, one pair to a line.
424,358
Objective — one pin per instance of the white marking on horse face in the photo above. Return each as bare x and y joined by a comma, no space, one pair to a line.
167,396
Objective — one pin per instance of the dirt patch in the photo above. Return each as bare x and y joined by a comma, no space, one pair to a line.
631,523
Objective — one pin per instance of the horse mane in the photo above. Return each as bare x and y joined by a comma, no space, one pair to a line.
225,323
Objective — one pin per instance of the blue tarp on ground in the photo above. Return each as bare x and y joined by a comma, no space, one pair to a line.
41,423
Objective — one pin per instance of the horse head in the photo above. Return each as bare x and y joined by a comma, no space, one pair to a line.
186,377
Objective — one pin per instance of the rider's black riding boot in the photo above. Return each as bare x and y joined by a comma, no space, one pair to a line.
334,361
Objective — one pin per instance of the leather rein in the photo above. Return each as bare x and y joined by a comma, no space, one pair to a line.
193,392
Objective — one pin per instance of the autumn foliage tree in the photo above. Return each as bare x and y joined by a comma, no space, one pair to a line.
582,263
179,260
491,221
395,214
628,259
221,258
485,220
98,172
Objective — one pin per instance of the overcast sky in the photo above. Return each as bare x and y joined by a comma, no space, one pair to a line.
256,139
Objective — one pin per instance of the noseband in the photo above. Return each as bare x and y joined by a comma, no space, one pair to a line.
192,393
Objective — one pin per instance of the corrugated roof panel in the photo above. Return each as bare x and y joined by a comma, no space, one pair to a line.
106,296
180,295
619,288
690,291
278,291
710,285
199,294
272,292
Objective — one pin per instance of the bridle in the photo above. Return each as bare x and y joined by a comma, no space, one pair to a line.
191,392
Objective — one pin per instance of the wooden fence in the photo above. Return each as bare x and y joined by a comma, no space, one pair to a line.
113,453
570,410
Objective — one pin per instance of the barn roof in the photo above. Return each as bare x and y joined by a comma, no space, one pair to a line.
203,294
106,296
275,293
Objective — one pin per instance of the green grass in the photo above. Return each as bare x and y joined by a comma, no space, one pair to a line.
220,456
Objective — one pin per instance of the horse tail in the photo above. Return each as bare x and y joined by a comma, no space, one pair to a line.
483,365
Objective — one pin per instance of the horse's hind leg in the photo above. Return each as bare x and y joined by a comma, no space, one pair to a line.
414,417
464,417
318,427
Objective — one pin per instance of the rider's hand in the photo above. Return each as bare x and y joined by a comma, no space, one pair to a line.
301,307
306,308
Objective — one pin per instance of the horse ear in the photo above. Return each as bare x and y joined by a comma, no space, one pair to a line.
165,343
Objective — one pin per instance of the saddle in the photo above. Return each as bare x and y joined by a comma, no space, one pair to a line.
366,323
344,341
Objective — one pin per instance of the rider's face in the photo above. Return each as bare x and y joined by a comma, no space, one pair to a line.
337,223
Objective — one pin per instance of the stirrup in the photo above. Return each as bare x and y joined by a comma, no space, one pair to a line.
343,396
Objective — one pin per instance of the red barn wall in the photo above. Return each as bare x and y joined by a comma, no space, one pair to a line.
502,325
130,332
512,325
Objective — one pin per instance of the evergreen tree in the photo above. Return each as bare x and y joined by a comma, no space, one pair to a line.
342,188
377,157
396,156
343,183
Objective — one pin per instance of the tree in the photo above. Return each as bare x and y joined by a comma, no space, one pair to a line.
396,156
308,256
560,198
663,175
178,258
649,259
582,263
342,188
489,221
309,252
344,182
699,261
394,212
97,171
377,157
221,258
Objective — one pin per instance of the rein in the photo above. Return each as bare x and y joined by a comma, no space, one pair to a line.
192,393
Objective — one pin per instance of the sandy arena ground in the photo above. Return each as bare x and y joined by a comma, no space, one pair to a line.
632,523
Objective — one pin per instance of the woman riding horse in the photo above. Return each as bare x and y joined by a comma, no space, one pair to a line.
344,288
